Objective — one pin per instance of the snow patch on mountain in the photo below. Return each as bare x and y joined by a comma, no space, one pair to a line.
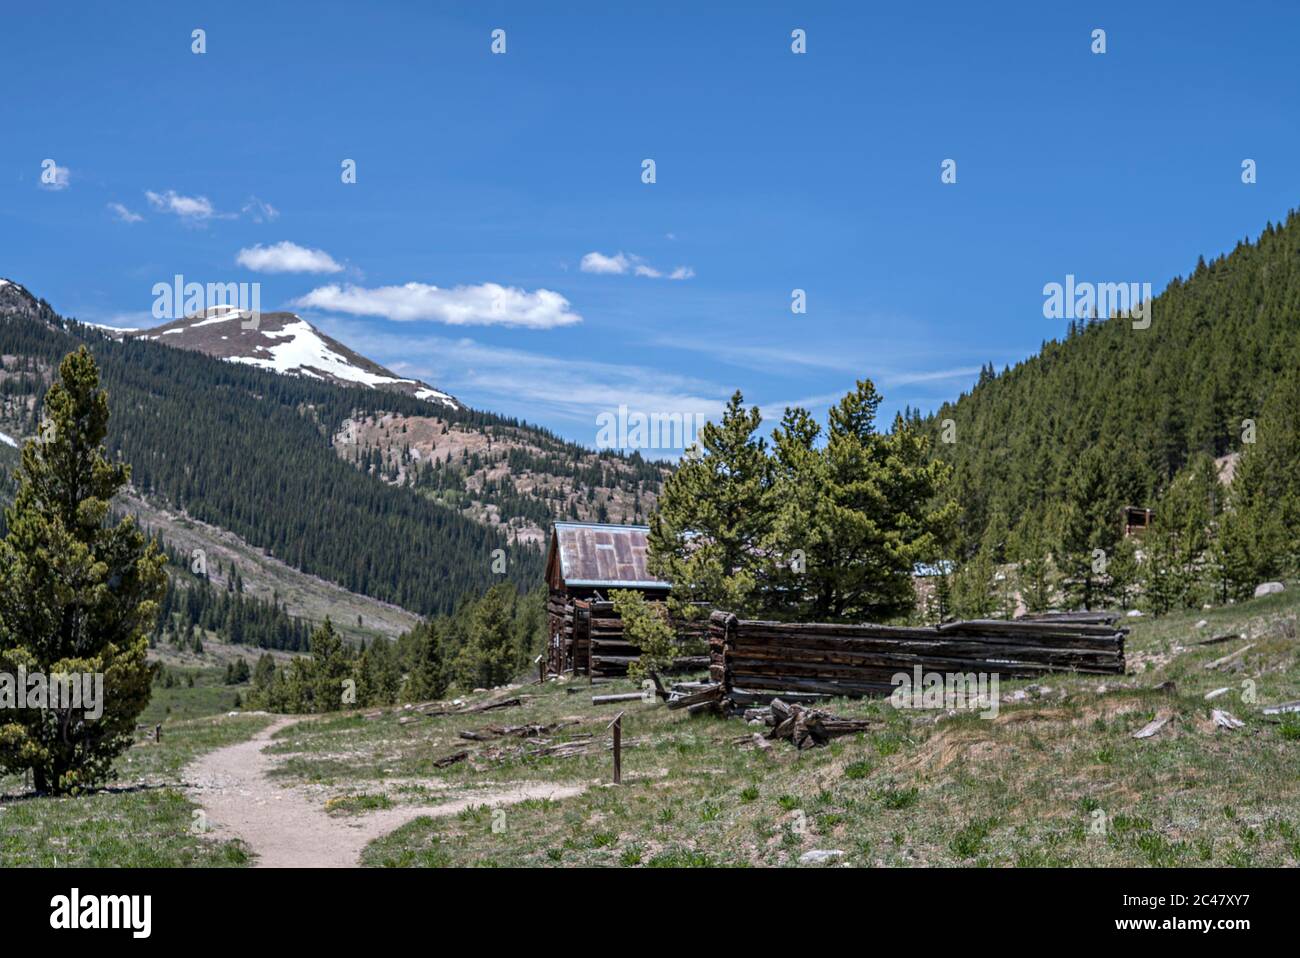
5,438
304,352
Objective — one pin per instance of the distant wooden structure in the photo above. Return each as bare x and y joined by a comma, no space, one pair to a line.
584,562
1137,520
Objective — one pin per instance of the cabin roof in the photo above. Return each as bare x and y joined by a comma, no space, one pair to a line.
599,555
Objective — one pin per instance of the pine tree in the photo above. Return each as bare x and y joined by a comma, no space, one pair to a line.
426,678
1176,546
1030,548
864,509
486,660
714,515
378,675
1089,524
77,595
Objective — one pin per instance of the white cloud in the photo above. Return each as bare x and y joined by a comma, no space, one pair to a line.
487,304
621,263
600,263
186,207
124,214
287,257
62,177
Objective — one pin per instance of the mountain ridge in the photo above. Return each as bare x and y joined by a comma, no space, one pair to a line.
286,343
337,479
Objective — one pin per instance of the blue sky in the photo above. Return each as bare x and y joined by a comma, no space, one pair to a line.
775,171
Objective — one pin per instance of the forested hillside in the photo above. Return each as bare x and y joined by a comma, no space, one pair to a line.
1121,409
521,478
250,451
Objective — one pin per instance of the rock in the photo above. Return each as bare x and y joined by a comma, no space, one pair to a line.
1225,719
1215,693
1134,613
820,856
1268,588
1202,624
1155,725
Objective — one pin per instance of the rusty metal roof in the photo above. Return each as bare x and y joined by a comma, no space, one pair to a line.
595,555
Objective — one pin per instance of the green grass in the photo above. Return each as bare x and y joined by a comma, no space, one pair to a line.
353,804
143,819
209,696
1056,780
145,828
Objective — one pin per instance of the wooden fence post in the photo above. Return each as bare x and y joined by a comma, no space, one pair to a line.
617,726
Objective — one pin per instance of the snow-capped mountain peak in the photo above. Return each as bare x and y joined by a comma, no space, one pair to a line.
284,343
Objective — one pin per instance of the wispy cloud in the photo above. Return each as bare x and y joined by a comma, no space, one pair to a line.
533,384
620,264
287,257
835,357
198,209
124,214
487,304
259,211
929,376
193,208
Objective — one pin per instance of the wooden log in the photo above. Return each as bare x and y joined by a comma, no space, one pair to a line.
1229,657
620,697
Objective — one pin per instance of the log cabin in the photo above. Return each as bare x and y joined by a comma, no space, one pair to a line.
584,562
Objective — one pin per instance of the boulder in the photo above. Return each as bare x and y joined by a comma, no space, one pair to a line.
1268,588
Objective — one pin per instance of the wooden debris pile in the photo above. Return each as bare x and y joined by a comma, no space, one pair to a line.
802,726
535,730
808,727
438,709
696,697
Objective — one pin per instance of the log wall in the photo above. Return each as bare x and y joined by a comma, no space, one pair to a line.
610,652
753,656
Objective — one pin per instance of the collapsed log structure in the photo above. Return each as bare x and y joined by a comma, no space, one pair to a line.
754,660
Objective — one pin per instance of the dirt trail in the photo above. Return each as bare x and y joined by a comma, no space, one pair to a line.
287,829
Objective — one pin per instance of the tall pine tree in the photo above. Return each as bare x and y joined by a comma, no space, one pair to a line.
78,595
